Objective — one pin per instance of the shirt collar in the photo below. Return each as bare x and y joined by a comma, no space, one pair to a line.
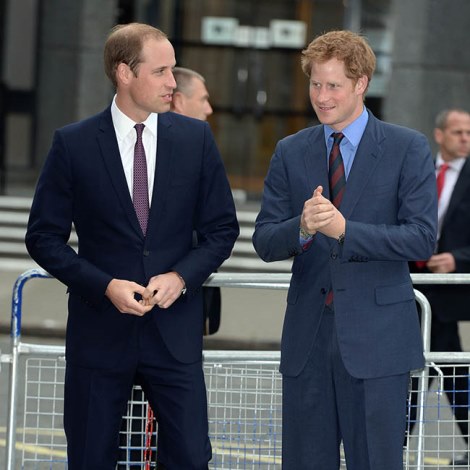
354,131
456,164
123,125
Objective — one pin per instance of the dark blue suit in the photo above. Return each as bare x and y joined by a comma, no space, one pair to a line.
83,183
391,214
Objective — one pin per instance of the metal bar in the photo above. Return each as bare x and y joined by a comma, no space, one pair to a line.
251,280
15,331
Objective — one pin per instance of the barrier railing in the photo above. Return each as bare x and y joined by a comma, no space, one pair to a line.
278,281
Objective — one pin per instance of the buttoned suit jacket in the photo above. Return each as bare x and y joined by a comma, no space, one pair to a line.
390,207
83,183
450,302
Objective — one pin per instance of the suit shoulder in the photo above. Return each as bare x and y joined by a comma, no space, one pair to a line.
301,136
91,122
397,131
180,120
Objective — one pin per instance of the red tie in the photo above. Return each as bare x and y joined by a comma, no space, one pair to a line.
441,176
337,180
440,179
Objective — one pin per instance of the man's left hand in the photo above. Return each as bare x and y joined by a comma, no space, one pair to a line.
166,288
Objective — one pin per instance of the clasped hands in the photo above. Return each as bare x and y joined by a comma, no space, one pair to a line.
320,215
162,290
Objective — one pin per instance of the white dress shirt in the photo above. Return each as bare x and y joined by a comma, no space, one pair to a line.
126,138
451,177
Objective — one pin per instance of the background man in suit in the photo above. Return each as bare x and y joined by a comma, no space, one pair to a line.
191,98
449,304
351,333
135,307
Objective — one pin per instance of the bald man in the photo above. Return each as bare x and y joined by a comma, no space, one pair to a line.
190,96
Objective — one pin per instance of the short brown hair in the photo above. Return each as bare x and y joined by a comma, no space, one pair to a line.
346,46
124,45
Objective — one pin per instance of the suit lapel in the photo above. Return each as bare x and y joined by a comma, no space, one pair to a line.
316,162
113,163
366,159
163,169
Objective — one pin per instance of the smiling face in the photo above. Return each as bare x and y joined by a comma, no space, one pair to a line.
336,99
150,88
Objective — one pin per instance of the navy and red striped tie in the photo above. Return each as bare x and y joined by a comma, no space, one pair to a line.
337,180
336,173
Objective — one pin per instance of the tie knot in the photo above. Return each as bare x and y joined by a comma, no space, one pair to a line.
337,137
139,129
443,167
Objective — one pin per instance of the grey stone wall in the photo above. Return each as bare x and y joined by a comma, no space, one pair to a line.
431,61
72,83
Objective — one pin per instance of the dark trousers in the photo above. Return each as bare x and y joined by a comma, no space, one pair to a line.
325,405
95,401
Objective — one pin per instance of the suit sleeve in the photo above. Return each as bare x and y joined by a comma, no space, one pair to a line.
50,224
276,235
215,221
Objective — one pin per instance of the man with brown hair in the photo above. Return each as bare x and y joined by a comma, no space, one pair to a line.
136,182
352,200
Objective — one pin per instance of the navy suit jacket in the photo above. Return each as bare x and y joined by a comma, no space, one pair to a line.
83,183
390,207
450,302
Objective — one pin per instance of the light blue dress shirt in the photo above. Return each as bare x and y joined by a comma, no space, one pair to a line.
352,136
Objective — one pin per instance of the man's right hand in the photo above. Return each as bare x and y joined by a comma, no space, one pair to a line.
121,293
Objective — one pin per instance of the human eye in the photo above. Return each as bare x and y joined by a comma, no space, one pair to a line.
315,85
333,86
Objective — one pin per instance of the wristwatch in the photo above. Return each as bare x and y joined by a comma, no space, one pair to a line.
341,239
304,234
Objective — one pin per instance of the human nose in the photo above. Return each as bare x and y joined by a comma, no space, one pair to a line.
171,83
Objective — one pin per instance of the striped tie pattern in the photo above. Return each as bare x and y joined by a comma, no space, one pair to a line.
336,173
337,179
140,193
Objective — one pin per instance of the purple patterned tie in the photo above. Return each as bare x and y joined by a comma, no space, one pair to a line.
140,193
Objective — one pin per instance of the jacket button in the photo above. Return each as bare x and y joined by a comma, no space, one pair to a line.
323,290
146,252
334,255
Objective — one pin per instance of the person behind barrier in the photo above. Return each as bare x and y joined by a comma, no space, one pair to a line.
352,200
449,304
135,193
191,98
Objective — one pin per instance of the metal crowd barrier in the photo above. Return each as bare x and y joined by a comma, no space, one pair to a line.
244,395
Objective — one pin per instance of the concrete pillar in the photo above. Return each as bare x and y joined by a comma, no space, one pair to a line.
72,83
431,62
